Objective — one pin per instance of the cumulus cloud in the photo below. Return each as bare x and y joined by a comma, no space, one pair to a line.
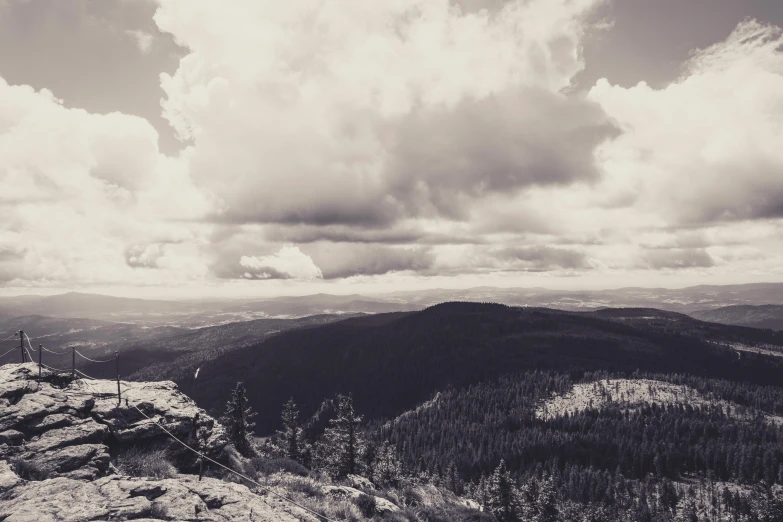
288,263
338,139
705,148
343,113
82,191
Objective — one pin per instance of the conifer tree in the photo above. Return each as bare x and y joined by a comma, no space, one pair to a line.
686,508
343,442
501,497
387,469
291,435
238,420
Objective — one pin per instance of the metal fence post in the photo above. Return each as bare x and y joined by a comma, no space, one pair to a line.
119,391
40,347
21,345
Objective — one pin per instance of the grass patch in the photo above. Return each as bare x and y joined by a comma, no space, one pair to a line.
29,469
143,462
263,466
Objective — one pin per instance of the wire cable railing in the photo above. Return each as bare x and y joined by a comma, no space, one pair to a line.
9,351
85,375
10,337
52,368
29,354
241,475
44,348
93,360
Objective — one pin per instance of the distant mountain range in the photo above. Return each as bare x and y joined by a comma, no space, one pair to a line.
188,314
200,313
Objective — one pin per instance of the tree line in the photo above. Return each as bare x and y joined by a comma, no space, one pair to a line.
648,463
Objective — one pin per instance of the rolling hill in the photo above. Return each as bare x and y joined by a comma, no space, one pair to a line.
391,362
757,316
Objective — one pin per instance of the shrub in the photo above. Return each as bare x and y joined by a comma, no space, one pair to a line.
267,467
455,514
367,505
29,469
305,487
144,462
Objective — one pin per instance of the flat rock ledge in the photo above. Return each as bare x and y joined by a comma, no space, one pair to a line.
122,498
56,436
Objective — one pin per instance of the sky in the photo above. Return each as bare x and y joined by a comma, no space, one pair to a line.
169,148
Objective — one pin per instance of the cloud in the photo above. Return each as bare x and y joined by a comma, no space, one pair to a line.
288,263
394,141
677,258
348,260
82,192
544,258
144,40
338,113
705,148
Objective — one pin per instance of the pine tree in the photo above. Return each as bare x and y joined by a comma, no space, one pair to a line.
546,501
343,442
686,508
238,420
501,500
291,435
387,470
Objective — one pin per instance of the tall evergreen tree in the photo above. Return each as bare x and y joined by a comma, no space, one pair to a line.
238,420
501,497
387,469
291,435
343,441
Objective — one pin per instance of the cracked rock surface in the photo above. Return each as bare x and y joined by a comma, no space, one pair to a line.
56,436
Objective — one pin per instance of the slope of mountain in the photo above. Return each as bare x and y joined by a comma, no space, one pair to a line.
93,338
758,316
622,448
177,357
391,363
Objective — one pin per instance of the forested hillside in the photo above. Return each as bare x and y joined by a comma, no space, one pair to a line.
637,460
392,362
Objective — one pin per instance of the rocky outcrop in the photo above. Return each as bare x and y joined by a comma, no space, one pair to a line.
56,436
54,426
382,505
123,498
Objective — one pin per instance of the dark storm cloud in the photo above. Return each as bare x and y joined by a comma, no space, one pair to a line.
444,159
346,260
439,162
664,258
346,234
541,258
